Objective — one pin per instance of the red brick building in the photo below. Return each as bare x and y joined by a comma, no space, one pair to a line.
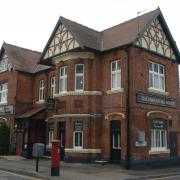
110,95
18,67
115,91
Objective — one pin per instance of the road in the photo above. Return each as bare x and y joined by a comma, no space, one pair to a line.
173,177
4,175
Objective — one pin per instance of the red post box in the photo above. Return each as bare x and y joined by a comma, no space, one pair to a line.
55,158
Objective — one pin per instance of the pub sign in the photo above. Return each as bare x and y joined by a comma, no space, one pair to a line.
50,105
157,100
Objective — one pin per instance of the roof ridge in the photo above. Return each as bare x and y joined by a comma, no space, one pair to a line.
23,48
61,17
129,20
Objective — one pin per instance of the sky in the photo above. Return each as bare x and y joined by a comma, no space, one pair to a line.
29,23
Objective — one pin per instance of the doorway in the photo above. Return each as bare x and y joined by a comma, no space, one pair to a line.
173,144
115,141
62,133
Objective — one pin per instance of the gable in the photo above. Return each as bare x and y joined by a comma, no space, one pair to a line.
154,39
61,42
4,63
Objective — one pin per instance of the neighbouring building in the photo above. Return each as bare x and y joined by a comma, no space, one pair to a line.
115,91
18,67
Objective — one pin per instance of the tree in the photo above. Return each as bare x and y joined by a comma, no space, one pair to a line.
4,138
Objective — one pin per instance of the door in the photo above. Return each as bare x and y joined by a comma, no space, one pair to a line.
62,132
173,144
115,139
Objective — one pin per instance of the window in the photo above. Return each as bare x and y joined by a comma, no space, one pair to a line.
158,139
41,90
78,135
50,137
52,86
156,76
4,64
63,79
3,92
79,77
116,140
159,134
115,75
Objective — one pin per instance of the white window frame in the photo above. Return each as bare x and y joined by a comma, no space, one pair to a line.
153,73
64,80
3,92
50,137
52,86
154,140
41,90
116,72
79,75
74,146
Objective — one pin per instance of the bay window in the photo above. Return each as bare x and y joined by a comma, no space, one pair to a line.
52,86
79,77
63,79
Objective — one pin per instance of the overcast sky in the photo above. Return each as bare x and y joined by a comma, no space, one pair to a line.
29,23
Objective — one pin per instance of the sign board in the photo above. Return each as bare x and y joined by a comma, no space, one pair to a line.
157,100
78,126
50,105
38,150
6,110
158,124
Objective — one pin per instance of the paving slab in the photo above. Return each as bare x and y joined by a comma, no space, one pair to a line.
79,171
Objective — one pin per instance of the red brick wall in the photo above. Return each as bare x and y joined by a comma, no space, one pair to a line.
139,82
24,97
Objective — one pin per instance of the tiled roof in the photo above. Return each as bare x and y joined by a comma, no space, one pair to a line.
127,32
23,59
110,38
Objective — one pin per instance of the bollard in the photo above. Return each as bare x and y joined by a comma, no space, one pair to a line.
55,158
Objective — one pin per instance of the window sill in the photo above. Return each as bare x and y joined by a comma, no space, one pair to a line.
158,91
3,103
114,91
79,93
40,102
77,150
159,151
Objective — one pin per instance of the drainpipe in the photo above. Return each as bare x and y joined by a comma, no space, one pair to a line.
45,123
128,135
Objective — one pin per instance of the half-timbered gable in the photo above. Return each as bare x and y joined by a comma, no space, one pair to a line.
4,63
61,42
155,39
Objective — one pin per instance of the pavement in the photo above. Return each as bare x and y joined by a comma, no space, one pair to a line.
78,171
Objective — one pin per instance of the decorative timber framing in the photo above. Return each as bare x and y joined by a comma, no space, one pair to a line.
154,39
62,41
